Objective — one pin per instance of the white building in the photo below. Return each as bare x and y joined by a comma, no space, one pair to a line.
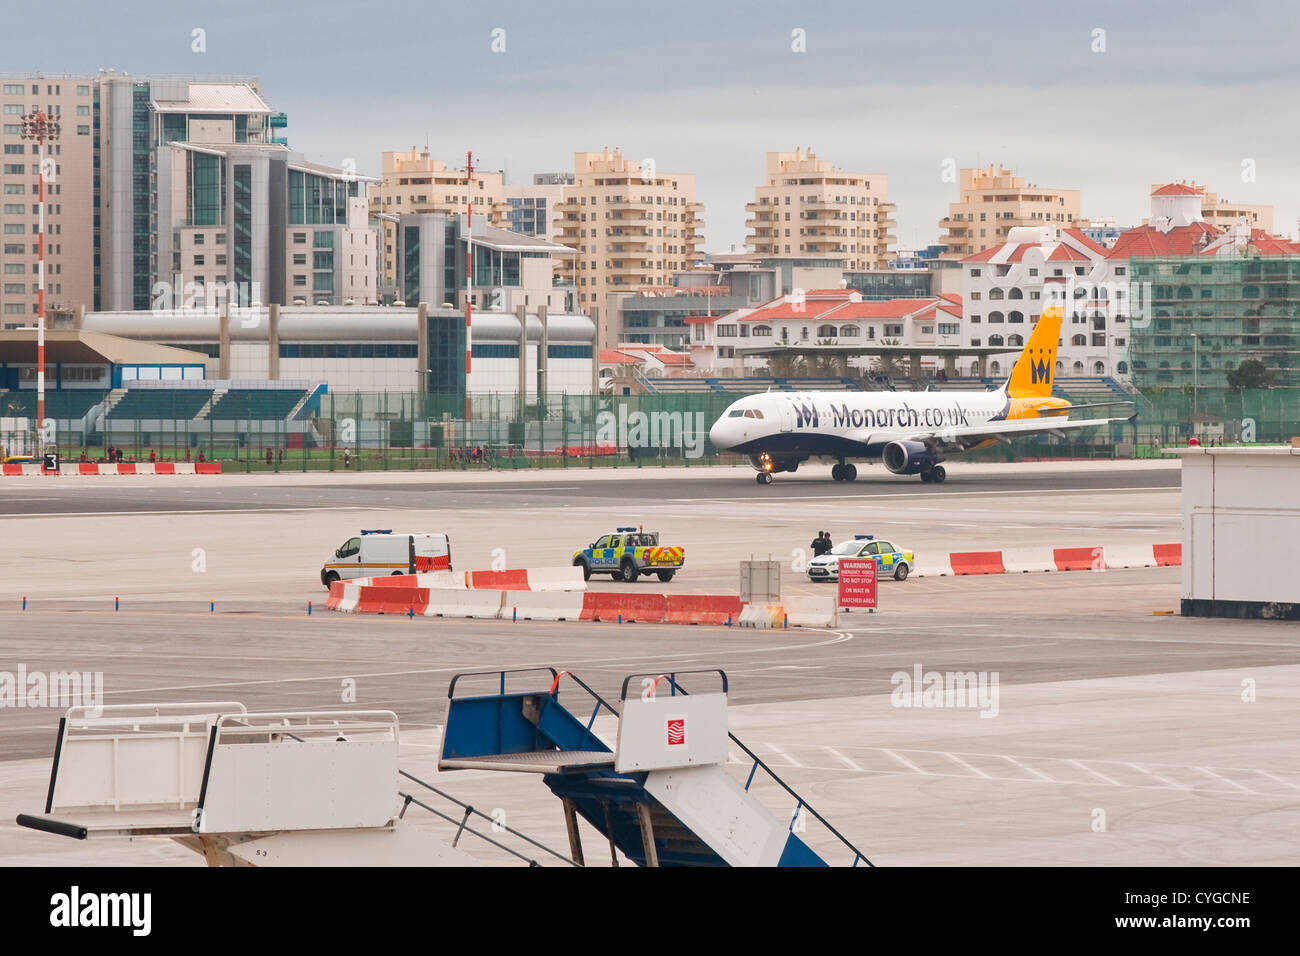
822,317
1005,288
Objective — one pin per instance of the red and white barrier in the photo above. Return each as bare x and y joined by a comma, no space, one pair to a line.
74,469
1023,560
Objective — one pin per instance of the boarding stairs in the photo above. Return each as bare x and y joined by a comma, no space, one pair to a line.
241,789
662,796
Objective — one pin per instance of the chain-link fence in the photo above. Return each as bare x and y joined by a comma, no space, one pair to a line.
392,430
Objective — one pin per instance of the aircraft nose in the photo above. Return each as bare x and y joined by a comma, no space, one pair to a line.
718,434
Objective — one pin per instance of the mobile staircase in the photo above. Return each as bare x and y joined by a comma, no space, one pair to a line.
662,796
241,789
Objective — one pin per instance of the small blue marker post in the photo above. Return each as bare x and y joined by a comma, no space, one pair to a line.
212,607
410,612
309,608
514,616
24,602
620,617
116,603
786,624
728,620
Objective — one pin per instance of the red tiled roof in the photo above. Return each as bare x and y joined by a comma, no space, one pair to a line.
1063,253
1150,241
1079,236
984,256
790,310
952,297
700,319
1265,245
674,358
1019,252
842,293
1175,189
615,357
954,309
890,309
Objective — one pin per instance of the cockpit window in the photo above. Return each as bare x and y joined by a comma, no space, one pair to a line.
736,413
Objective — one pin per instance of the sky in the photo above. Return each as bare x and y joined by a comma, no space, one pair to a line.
1105,97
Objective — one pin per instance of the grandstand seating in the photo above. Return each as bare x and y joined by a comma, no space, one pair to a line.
59,404
255,403
160,403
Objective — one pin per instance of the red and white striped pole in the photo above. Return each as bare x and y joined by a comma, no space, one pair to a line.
39,127
469,271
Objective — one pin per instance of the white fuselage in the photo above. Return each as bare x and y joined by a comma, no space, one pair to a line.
846,423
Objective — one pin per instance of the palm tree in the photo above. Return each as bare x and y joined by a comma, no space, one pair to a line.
786,366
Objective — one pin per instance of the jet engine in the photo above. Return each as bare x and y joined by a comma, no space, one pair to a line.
908,457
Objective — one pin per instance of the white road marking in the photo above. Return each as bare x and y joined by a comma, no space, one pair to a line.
955,759
1231,783
783,755
1156,776
842,759
904,761
1265,773
1036,773
1095,773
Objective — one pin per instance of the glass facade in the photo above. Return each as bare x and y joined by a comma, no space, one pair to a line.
242,238
204,174
446,375
411,264
144,241
318,200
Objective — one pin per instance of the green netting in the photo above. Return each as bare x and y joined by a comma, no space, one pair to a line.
394,430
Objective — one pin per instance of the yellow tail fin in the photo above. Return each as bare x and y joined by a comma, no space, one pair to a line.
1031,376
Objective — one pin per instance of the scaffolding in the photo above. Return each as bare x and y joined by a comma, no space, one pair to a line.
1205,315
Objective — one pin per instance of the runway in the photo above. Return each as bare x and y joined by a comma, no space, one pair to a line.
1103,704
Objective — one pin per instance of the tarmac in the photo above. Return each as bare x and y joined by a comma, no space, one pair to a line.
1121,736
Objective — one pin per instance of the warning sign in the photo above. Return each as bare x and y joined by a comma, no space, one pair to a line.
857,583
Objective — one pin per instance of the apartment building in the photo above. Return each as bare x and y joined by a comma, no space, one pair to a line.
1220,212
69,194
415,182
632,225
533,209
993,201
808,207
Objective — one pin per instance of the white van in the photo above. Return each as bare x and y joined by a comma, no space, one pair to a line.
376,553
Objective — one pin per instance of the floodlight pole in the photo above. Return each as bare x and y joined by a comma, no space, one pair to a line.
40,127
469,274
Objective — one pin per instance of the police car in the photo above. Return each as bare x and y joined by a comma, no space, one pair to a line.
627,554
889,558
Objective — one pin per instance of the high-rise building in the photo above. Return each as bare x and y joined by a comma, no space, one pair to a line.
632,224
807,207
69,195
415,182
194,191
991,202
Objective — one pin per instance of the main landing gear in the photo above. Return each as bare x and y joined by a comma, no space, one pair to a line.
935,475
763,477
844,472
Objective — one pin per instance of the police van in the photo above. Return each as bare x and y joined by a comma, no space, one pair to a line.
379,552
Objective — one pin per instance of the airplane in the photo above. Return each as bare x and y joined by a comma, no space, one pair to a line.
910,432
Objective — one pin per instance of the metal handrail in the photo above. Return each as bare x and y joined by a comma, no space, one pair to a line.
451,688
802,803
471,811
672,679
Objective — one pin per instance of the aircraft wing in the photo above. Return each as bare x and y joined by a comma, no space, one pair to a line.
960,437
